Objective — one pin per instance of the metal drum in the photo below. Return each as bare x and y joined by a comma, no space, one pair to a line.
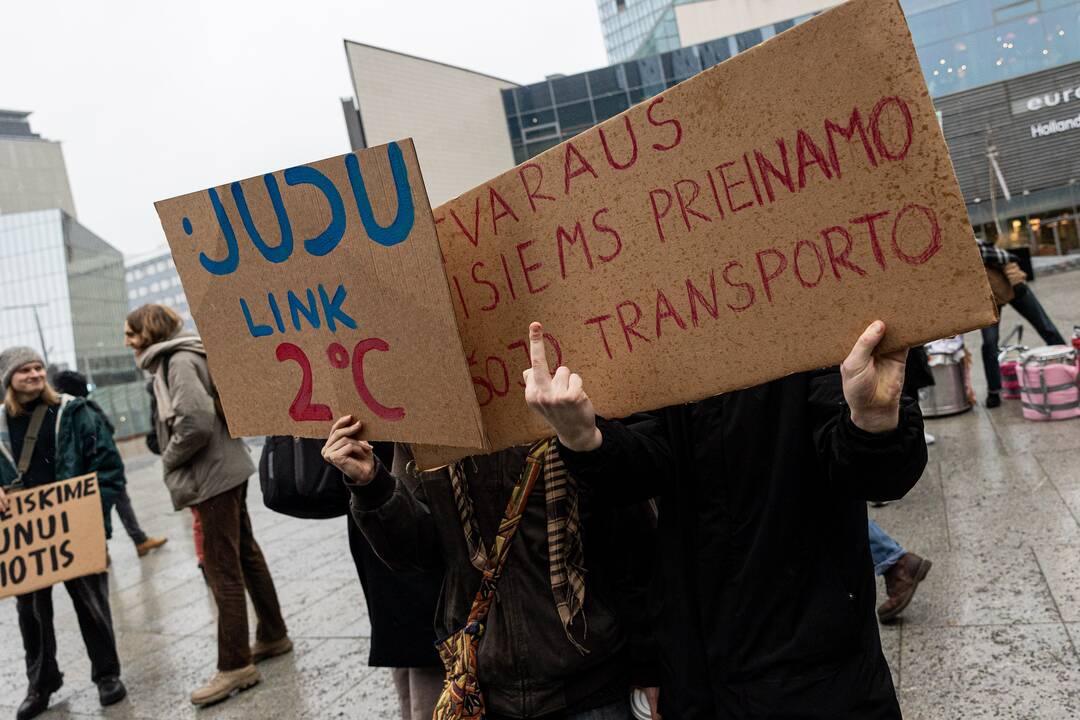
947,396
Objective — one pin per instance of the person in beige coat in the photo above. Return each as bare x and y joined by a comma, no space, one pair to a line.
208,471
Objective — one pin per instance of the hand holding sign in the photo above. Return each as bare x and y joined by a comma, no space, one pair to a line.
3,500
348,453
560,399
872,383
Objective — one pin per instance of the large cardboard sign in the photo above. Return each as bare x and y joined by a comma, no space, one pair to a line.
51,533
319,291
746,224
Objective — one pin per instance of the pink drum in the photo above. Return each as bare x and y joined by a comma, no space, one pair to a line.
1010,380
1048,382
1009,361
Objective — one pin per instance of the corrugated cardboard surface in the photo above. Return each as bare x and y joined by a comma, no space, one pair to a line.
68,535
397,294
510,259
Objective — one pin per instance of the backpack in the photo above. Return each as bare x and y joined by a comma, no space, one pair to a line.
297,481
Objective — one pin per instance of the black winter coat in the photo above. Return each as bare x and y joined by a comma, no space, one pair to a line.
766,589
527,665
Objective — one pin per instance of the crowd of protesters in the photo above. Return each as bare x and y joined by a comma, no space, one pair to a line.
709,560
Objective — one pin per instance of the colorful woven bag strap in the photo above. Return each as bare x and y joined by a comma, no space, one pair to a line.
534,466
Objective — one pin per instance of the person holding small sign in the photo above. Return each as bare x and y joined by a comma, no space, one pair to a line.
768,589
208,470
46,437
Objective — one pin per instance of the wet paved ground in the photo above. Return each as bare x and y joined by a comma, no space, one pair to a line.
992,633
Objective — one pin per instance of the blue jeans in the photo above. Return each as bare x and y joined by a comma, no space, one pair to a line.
884,551
1031,310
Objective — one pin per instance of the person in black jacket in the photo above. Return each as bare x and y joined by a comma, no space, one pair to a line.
766,589
534,662
74,383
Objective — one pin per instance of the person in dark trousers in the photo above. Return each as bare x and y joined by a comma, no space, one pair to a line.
74,383
68,439
207,469
766,589
558,643
296,481
1024,302
401,606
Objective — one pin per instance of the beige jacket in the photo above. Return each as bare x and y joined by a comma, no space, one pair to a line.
199,458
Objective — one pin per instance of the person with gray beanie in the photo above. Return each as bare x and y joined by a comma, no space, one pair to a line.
46,437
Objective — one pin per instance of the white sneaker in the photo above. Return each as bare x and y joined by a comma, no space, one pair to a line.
930,439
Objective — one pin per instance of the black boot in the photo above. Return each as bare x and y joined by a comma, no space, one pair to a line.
111,691
37,701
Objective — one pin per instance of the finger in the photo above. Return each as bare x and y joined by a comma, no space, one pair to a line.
341,422
860,355
340,443
359,450
538,354
345,431
561,378
575,384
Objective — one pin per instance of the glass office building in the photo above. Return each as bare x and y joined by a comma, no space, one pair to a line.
984,59
633,28
969,43
62,292
542,115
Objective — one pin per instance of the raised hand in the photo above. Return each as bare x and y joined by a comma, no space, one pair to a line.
560,399
872,383
1014,274
348,453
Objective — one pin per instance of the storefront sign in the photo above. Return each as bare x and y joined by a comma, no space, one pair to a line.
1063,96
1054,127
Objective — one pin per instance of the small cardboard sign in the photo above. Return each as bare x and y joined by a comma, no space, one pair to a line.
746,224
318,292
51,533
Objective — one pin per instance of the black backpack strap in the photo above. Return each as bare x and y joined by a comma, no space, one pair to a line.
30,440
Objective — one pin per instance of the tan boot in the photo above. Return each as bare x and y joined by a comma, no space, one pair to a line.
264,651
224,683
149,544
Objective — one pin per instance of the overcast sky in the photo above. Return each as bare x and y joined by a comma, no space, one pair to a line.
153,99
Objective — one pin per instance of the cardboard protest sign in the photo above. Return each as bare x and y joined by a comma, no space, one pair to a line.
746,224
319,291
51,533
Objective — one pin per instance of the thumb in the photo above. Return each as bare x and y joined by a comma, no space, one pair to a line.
860,355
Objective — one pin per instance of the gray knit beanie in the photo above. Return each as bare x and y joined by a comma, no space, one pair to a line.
14,358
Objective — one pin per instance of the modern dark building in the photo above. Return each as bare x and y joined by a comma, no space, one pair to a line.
1029,127
1004,76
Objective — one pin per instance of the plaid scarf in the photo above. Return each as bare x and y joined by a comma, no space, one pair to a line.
566,551
994,256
